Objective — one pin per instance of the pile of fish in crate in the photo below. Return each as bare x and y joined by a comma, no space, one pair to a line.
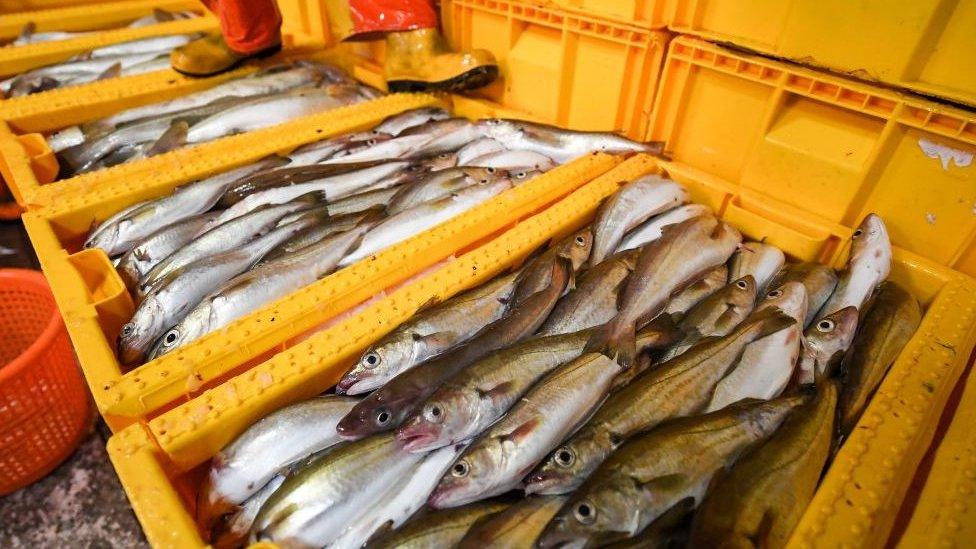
122,59
650,380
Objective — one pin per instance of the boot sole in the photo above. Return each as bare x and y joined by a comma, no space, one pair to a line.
470,80
267,52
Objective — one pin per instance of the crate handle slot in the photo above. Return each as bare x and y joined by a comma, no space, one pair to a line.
104,288
42,160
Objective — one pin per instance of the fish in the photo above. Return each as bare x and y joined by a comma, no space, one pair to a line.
868,266
361,202
226,237
825,344
559,144
269,81
76,71
651,230
438,528
819,281
762,261
253,289
677,388
411,222
515,527
65,138
151,44
761,500
470,402
331,188
497,461
407,496
121,232
479,148
716,315
767,365
314,505
330,227
536,276
428,334
398,123
446,135
182,288
135,263
630,206
268,111
230,531
386,408
664,268
709,283
240,469
290,174
514,160
438,184
594,300
312,154
669,466
889,324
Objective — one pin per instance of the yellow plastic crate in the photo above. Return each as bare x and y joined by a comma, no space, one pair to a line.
943,515
565,68
806,156
160,463
922,45
16,6
95,304
651,14
18,59
89,18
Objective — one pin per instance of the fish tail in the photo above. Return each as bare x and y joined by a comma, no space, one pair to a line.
616,340
655,148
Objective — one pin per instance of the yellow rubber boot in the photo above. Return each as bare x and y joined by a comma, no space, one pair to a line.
211,55
418,60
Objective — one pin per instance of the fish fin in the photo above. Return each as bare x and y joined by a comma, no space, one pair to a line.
44,84
428,304
141,255
172,138
615,340
162,15
436,339
521,432
112,72
495,391
766,322
27,31
761,536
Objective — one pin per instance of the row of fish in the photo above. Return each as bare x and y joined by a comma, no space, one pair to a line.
265,98
217,249
648,381
121,59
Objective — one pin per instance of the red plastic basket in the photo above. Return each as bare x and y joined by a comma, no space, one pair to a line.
45,409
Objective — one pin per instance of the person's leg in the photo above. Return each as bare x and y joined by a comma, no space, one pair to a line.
249,28
416,56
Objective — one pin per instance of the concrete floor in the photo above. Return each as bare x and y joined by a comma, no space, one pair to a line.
81,503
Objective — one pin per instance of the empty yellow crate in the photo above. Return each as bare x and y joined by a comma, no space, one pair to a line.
651,14
89,18
923,45
160,463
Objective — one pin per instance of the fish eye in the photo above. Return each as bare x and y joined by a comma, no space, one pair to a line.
443,156
826,326
520,175
128,329
741,284
490,170
581,240
433,413
565,457
371,359
383,417
858,233
460,469
585,513
171,337
774,294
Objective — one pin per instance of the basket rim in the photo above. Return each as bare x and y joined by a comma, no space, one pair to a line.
43,341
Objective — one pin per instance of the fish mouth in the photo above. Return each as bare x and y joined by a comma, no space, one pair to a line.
351,428
547,484
441,498
356,386
420,437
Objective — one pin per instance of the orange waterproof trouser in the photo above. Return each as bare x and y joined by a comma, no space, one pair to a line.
248,25
351,18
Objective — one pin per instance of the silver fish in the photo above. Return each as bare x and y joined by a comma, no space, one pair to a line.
231,530
152,44
135,263
559,144
479,148
819,281
867,267
762,261
630,206
825,343
243,467
252,290
595,298
428,334
398,123
652,229
551,410
706,285
514,160
409,223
